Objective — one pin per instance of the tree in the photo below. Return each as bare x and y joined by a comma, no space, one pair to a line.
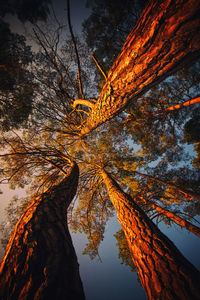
40,261
162,269
152,51
156,120
184,192
124,252
63,102
106,30
63,84
173,217
191,135
16,87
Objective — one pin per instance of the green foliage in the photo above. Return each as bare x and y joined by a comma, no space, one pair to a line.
107,27
124,252
160,131
16,90
192,129
192,135
13,211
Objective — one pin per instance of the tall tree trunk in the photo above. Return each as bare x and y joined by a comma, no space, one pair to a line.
180,221
165,38
163,270
40,261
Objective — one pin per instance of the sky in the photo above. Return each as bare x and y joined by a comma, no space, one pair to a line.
78,10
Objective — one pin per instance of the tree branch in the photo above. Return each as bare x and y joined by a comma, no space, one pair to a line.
85,102
75,48
99,67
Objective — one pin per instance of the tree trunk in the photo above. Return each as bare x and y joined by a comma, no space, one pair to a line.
40,262
163,270
166,37
180,221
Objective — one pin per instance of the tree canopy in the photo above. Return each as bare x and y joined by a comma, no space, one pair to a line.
15,59
145,96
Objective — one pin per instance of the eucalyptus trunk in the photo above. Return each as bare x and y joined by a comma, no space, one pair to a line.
40,261
165,38
163,271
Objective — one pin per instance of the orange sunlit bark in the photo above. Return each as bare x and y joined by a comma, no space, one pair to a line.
40,261
170,108
180,221
164,272
85,102
165,37
184,104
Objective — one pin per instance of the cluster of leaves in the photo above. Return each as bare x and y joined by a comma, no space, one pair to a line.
107,27
15,208
16,90
124,252
158,129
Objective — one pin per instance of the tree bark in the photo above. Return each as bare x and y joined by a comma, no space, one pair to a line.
180,221
164,272
165,38
184,104
85,102
40,262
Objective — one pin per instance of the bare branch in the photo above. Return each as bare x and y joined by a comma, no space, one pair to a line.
99,67
85,102
75,48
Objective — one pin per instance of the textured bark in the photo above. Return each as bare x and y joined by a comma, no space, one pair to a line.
40,262
180,221
166,36
163,270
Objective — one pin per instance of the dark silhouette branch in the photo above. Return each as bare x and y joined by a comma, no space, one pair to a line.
75,48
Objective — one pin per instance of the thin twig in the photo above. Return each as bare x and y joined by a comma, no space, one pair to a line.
75,48
99,67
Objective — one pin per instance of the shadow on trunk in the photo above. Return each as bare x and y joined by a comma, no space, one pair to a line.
40,261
